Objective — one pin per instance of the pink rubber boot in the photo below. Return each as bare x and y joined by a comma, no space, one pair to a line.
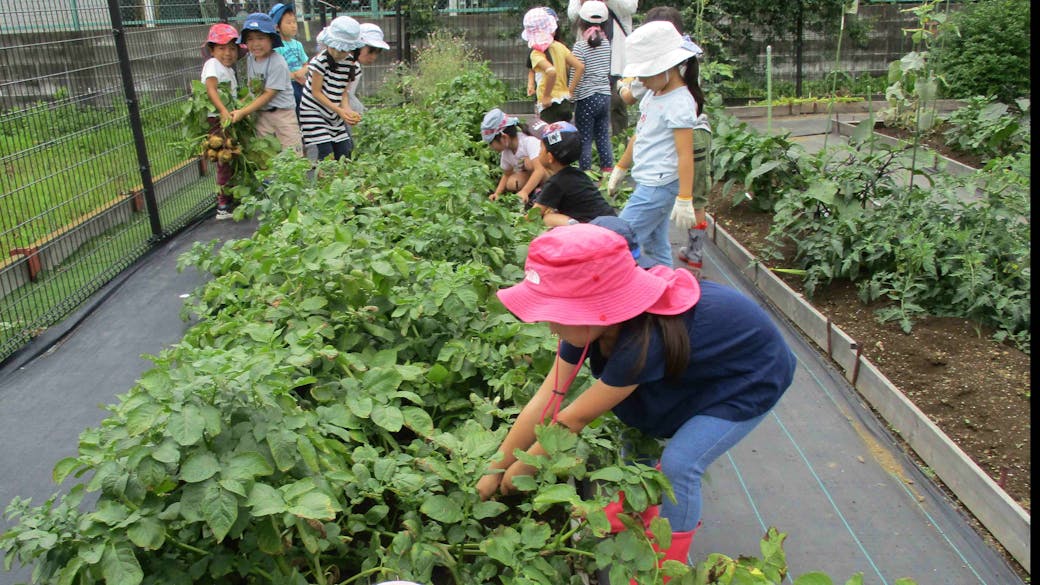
679,551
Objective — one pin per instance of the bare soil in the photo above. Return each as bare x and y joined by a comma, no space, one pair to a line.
975,389
934,143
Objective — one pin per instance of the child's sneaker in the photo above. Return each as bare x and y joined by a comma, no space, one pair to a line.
693,252
223,206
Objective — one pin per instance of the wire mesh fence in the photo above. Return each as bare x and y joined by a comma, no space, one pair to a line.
88,111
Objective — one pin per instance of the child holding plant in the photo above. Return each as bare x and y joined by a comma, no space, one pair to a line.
522,173
221,51
569,195
269,82
697,364
661,153
325,115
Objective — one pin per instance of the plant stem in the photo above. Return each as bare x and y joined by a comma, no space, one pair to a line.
319,573
575,551
364,573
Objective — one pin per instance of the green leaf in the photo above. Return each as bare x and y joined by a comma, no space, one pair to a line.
264,500
442,509
312,304
388,417
488,509
560,493
142,418
186,426
283,448
608,474
119,565
63,468
199,466
246,466
418,420
167,452
147,533
307,453
268,540
814,578
315,505
220,511
359,405
381,381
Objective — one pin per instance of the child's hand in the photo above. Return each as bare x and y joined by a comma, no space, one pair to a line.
494,196
545,102
350,116
236,115
488,485
530,89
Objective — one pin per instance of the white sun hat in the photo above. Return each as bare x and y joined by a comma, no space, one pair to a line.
372,36
656,47
594,11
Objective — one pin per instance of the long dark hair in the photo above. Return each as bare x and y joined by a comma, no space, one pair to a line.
674,335
352,67
690,78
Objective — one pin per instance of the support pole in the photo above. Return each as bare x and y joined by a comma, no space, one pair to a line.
134,110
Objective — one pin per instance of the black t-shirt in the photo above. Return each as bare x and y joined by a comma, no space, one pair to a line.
572,193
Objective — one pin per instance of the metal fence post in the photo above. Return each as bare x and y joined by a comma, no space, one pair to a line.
134,110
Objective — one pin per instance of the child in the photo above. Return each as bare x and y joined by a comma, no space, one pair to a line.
569,195
698,365
552,59
222,51
268,76
522,173
372,37
324,113
592,97
661,152
693,252
284,18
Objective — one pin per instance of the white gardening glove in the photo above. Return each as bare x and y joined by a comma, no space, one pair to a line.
682,213
637,89
616,176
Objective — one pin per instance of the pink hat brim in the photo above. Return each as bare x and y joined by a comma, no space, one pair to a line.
682,293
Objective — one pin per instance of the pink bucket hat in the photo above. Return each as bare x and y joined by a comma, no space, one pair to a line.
584,274
221,34
539,26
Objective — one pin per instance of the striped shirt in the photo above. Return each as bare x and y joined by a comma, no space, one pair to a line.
318,123
596,78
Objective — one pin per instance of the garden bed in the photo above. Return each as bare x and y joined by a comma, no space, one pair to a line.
975,389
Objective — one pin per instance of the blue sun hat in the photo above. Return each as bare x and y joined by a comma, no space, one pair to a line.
261,22
279,10
342,34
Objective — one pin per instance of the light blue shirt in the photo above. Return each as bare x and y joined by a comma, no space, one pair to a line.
293,53
655,161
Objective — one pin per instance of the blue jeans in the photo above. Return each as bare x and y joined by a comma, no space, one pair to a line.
592,118
697,443
647,212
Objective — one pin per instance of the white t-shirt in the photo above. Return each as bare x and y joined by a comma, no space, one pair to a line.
655,161
528,147
214,68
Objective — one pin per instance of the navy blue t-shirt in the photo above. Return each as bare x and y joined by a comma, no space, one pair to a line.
739,366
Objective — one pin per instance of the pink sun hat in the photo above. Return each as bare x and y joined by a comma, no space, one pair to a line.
584,274
539,27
